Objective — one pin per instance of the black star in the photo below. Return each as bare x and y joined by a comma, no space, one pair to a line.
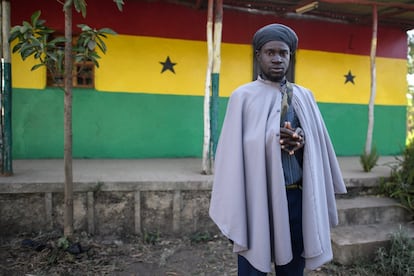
349,77
167,65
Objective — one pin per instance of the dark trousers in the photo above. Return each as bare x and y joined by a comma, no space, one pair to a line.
297,265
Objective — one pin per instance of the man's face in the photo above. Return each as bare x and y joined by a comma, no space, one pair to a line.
273,59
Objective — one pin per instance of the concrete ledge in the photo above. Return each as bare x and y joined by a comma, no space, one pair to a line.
121,197
357,242
367,182
166,208
369,210
23,188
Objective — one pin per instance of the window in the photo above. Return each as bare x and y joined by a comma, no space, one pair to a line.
83,76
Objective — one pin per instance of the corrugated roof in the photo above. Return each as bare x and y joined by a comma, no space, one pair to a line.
390,13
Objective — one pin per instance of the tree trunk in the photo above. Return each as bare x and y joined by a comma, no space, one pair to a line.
370,130
68,208
207,156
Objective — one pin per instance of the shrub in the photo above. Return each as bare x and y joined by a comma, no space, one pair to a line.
400,185
399,258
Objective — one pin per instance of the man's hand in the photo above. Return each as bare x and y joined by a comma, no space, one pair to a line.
291,139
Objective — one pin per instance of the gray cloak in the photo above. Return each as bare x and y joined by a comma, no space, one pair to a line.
248,201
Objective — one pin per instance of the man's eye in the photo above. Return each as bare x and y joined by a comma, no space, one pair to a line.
284,53
280,53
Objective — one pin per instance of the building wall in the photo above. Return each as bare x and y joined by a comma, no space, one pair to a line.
139,111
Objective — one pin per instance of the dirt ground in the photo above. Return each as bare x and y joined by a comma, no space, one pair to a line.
149,255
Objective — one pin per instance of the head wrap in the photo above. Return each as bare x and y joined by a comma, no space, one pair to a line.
275,32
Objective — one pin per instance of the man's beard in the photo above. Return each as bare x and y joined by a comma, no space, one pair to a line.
272,78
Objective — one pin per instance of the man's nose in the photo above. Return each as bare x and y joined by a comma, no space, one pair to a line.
277,58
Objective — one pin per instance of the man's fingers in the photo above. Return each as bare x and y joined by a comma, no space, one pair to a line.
289,132
291,139
291,151
286,131
287,136
288,125
290,143
288,150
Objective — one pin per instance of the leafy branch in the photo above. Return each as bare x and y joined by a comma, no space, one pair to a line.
35,39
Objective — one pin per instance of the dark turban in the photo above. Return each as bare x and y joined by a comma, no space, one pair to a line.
275,32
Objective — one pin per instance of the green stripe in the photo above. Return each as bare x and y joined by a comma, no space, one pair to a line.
215,78
347,125
129,125
108,125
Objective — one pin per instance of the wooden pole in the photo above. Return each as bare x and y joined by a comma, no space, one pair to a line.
368,143
218,26
207,156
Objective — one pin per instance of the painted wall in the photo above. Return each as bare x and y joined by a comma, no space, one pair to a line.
148,100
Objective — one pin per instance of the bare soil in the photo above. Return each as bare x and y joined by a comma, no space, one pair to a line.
149,255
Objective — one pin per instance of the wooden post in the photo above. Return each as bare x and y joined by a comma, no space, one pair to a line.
211,97
207,156
218,26
370,130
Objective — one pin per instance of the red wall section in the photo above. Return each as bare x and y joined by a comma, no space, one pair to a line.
160,19
137,18
317,35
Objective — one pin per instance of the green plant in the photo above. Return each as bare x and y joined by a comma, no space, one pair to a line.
199,237
98,187
151,237
35,38
401,182
63,243
368,161
398,259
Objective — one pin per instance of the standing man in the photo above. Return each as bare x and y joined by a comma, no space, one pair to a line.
276,172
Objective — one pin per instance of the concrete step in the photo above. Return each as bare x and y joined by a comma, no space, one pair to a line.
364,210
356,242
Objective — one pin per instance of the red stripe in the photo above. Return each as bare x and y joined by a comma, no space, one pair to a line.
317,35
168,20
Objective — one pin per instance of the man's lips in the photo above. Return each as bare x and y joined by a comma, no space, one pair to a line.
277,69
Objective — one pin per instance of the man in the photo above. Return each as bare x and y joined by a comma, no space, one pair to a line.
273,160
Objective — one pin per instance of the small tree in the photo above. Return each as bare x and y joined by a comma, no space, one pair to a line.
410,94
57,54
370,157
212,84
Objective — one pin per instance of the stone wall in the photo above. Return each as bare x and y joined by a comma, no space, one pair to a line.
109,208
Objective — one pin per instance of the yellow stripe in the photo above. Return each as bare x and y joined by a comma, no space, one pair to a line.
236,67
23,77
323,73
132,64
